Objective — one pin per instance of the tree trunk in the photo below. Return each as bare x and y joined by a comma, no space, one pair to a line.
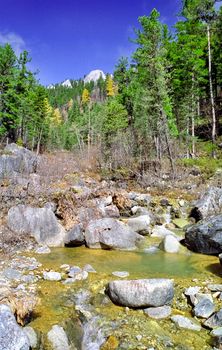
188,137
170,153
193,136
89,133
39,143
211,91
193,120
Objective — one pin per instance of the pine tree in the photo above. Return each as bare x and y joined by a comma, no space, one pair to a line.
204,11
152,106
188,75
8,97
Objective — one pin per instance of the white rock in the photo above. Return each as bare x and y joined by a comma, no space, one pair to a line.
58,338
161,231
192,291
170,244
140,224
184,322
121,274
31,334
52,276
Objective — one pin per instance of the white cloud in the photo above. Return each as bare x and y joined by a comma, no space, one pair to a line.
15,40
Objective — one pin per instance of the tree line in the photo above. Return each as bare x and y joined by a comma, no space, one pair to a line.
161,102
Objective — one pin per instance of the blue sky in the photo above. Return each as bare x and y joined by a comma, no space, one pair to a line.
68,38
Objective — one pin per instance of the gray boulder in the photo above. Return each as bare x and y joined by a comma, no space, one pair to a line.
75,237
12,337
158,312
185,322
141,293
204,308
137,210
17,159
32,336
111,211
170,244
215,320
215,287
205,236
58,338
140,224
111,234
40,223
217,337
209,204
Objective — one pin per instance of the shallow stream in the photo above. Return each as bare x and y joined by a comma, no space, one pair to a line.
187,269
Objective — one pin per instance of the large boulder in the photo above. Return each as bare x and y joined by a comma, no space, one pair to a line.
16,159
75,237
205,236
170,244
12,337
140,224
209,204
111,234
141,293
40,223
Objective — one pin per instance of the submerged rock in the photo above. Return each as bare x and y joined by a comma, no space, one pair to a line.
206,236
141,293
181,223
89,268
93,335
41,223
121,274
43,250
111,234
12,337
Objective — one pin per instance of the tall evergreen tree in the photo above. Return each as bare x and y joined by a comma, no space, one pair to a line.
152,104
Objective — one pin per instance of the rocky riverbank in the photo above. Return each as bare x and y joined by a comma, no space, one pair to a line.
121,277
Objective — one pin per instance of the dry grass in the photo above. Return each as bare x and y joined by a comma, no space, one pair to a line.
54,166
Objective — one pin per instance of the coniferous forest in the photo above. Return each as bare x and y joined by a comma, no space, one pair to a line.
162,103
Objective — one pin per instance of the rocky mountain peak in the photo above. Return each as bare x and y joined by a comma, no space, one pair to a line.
94,75
67,83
